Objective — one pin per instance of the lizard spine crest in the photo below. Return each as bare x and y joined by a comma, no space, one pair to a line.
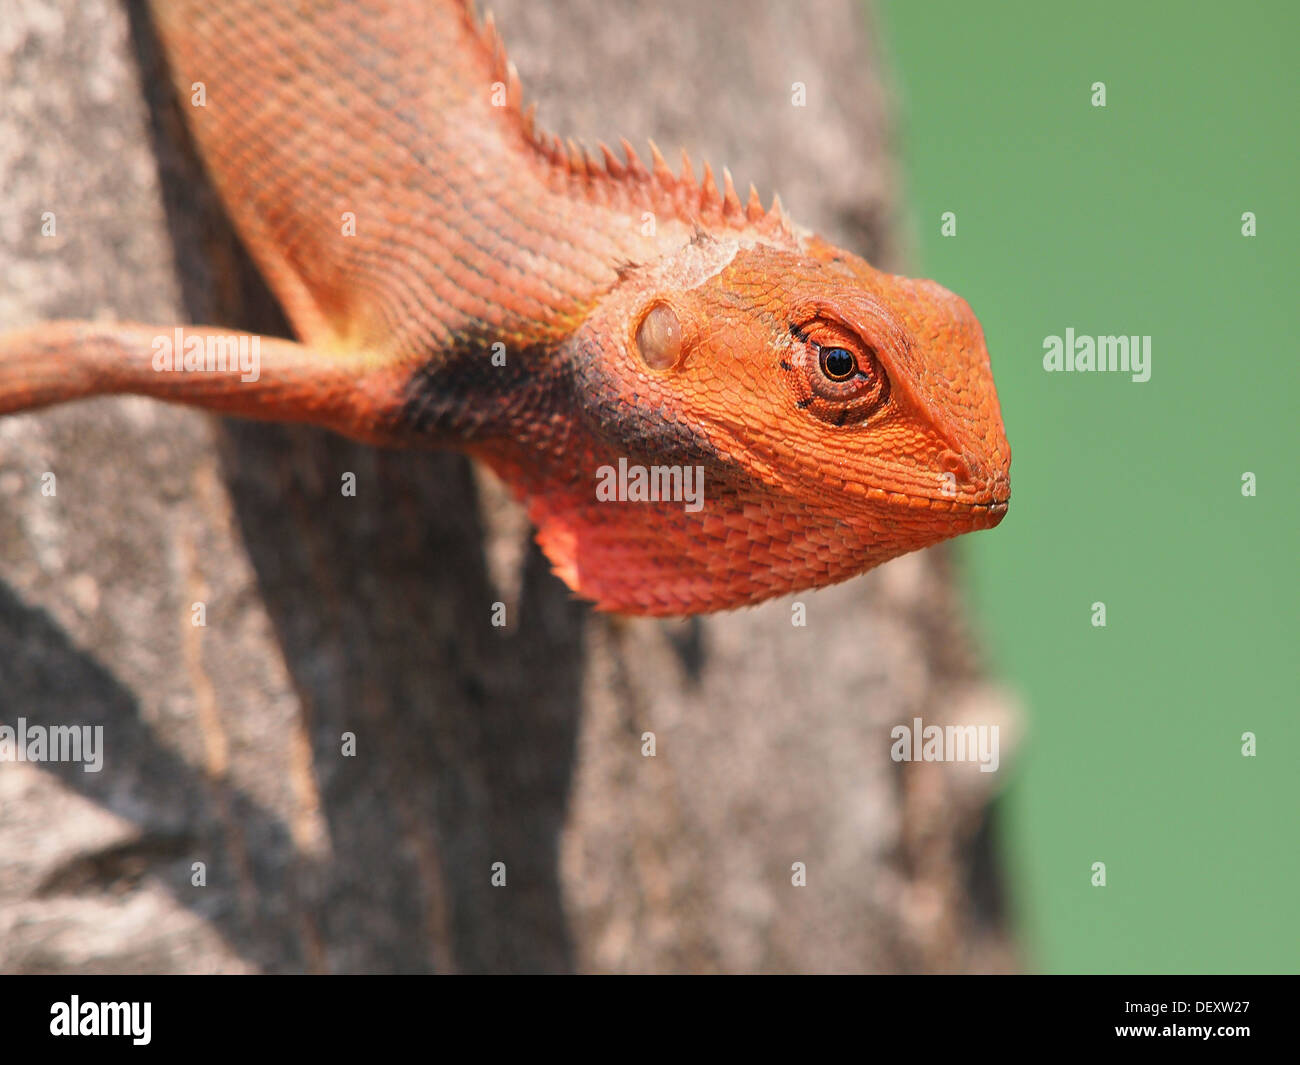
625,183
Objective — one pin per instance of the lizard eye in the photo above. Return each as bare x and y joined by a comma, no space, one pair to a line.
833,373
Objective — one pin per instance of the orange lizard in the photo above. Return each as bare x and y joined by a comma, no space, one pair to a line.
457,278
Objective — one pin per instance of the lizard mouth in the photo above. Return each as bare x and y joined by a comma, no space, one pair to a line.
979,515
991,513
999,505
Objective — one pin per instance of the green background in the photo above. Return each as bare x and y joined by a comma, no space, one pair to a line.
1127,220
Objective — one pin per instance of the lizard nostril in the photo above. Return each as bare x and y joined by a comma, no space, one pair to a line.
955,464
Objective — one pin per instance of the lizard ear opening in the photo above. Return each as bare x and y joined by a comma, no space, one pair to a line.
659,337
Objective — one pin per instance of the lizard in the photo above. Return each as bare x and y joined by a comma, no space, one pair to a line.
457,277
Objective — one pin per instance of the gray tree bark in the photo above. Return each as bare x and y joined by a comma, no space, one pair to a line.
371,615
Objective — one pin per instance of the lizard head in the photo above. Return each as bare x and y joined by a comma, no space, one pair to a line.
839,416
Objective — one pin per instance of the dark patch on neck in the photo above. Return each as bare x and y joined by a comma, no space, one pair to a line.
625,425
551,406
460,394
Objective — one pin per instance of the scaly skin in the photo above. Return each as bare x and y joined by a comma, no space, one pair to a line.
378,164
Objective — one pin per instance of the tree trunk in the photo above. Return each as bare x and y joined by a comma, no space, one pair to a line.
232,827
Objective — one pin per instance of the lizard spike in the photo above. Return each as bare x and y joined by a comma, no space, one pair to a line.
573,158
504,71
605,176
492,39
709,199
730,201
613,167
688,173
663,174
514,88
635,167
776,210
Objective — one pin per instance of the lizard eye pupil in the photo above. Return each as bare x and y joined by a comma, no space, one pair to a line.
838,363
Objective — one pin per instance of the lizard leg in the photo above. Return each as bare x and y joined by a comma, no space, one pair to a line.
220,370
